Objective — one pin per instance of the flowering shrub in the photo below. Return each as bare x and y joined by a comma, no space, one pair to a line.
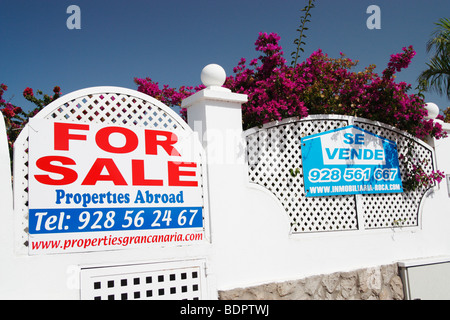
445,116
416,177
16,118
323,85
274,90
319,85
40,103
166,95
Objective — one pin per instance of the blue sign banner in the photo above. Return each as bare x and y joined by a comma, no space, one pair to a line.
349,160
113,219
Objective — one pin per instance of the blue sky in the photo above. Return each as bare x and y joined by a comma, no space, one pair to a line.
171,41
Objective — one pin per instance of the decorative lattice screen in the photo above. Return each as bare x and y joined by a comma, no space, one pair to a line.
107,105
184,280
275,148
387,210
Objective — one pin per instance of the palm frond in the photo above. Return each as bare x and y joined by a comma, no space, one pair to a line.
441,37
437,76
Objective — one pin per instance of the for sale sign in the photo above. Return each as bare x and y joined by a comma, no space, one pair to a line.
103,187
349,160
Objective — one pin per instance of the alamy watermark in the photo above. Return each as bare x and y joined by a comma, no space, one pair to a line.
74,20
374,20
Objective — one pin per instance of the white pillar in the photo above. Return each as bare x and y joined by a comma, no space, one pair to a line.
6,210
5,169
215,114
442,145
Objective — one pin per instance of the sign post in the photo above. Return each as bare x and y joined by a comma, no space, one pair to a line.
349,160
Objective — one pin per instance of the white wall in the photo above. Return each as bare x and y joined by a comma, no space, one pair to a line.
250,239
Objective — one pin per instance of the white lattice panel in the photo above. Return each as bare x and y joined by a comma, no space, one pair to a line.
401,209
115,108
159,281
275,148
107,105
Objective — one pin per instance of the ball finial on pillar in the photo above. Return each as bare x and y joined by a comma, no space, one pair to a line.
433,110
213,75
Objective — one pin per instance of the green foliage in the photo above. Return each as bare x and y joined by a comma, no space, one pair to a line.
294,172
437,76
